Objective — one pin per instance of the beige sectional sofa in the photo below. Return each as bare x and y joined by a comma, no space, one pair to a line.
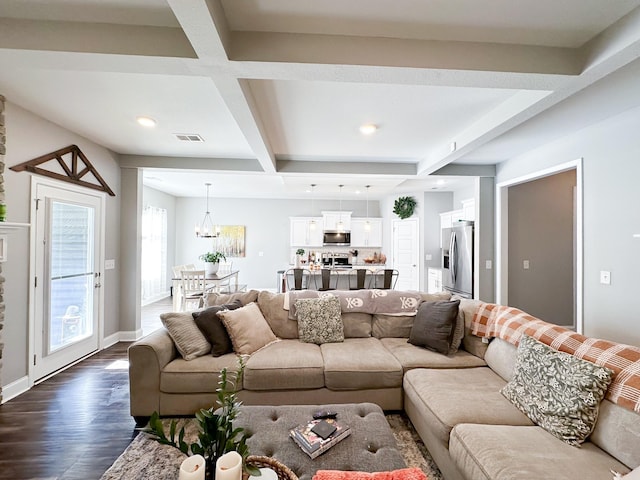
470,428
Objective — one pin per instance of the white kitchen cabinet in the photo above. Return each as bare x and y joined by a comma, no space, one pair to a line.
331,219
360,237
301,233
469,209
434,280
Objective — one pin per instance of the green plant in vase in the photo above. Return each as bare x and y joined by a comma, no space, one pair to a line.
217,434
212,261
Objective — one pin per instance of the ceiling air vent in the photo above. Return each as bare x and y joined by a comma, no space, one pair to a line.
189,137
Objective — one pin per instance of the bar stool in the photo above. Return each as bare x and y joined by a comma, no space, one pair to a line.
328,279
298,278
359,279
385,279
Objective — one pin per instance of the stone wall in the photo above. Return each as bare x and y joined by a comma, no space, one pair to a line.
3,135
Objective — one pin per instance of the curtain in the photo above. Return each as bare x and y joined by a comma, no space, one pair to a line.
154,254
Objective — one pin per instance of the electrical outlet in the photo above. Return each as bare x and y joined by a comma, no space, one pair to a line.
109,264
525,264
605,277
428,257
261,254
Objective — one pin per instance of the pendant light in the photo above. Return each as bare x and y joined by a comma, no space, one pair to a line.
207,229
312,222
367,224
340,224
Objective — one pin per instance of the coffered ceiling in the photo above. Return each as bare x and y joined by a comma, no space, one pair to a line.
278,89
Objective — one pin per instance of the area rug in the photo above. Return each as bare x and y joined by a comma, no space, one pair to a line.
145,458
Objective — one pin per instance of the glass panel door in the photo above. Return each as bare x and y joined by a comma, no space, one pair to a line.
68,279
71,274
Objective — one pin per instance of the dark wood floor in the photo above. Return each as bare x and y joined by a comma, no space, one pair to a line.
72,426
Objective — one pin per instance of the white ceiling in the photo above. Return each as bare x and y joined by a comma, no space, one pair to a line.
278,89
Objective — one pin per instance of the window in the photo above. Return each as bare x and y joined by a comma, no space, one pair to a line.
154,254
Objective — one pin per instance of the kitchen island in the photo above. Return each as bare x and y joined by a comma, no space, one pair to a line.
337,278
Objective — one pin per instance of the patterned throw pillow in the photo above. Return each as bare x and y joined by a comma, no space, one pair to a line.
319,320
557,391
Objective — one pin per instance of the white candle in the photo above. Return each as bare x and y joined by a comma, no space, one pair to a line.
192,468
267,474
229,467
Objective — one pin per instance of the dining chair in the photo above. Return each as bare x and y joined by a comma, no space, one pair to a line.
193,288
385,279
328,279
298,278
359,279
225,268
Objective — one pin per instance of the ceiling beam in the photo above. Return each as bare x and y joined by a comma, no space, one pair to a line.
190,163
103,38
206,27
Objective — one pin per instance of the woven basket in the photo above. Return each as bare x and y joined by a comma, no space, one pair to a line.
283,472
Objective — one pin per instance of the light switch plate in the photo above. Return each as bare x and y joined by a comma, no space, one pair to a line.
428,257
109,264
488,264
605,277
525,264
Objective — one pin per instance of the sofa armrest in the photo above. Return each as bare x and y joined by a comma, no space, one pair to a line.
147,357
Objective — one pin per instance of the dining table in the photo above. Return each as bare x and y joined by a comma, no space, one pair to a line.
213,281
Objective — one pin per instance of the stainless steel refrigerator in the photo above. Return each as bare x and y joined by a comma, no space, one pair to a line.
457,258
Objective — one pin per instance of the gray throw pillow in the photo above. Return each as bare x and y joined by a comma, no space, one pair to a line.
184,332
213,329
557,391
435,325
319,320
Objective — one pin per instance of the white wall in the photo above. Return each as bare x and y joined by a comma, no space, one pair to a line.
28,137
611,169
266,230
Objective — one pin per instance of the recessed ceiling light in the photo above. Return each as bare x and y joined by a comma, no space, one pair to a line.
368,129
146,121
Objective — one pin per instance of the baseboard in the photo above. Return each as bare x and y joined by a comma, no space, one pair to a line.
15,388
130,336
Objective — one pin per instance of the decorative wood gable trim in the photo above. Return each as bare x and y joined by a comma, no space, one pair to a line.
70,166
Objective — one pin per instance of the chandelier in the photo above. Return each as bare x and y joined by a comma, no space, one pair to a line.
207,229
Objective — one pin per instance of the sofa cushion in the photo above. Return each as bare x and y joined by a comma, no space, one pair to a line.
211,326
360,363
434,326
247,328
558,391
500,451
356,325
501,357
411,356
448,397
213,298
617,432
319,320
285,365
390,326
196,376
272,307
184,332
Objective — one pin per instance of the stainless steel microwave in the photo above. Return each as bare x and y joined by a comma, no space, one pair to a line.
335,238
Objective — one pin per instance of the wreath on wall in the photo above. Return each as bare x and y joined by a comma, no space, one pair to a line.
404,207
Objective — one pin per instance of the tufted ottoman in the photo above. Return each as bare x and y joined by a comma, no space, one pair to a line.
371,446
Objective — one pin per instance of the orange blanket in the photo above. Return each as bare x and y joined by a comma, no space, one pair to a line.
509,323
402,474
